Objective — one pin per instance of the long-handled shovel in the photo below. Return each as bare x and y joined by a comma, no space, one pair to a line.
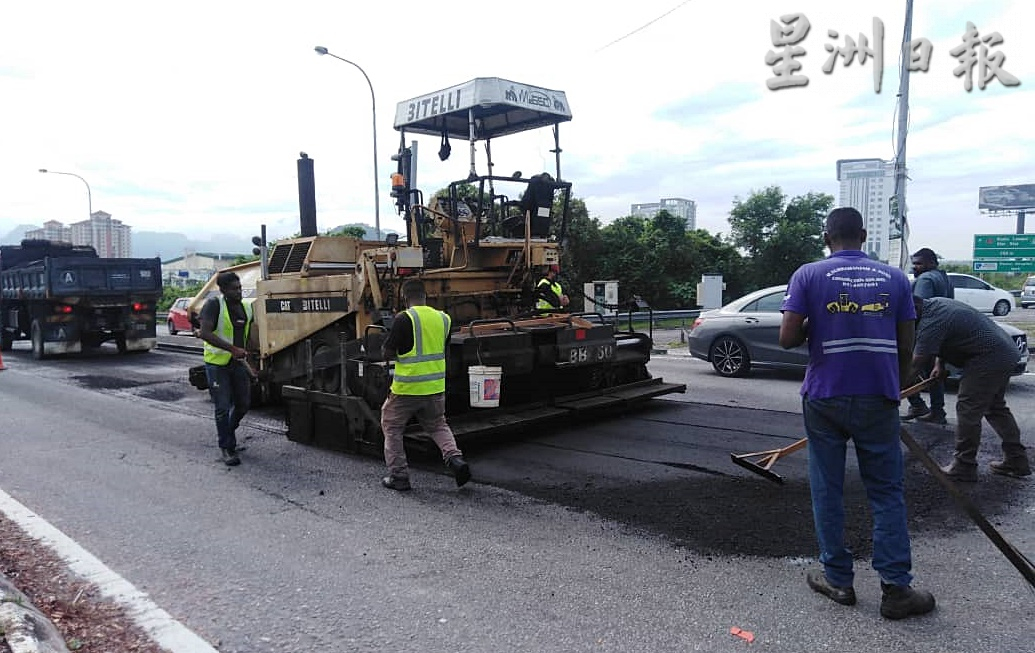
1016,558
761,462
765,459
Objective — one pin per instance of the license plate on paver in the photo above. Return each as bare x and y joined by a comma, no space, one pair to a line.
589,354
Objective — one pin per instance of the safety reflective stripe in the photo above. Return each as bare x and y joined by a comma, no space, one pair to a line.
420,356
224,328
422,370
417,378
878,345
555,287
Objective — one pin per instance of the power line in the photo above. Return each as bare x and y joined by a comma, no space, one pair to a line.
645,26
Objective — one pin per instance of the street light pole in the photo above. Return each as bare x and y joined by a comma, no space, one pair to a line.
89,195
373,110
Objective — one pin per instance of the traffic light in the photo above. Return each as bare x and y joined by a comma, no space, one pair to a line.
261,251
401,178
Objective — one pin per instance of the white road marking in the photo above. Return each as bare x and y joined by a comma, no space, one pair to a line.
159,624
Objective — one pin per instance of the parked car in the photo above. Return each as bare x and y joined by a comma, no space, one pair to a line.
1028,293
744,334
981,295
179,318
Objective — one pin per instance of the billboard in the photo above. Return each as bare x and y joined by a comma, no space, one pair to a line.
1006,198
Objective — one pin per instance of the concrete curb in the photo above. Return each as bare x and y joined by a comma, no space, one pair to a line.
25,628
159,625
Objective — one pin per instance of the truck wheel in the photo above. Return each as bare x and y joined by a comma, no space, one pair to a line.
37,341
6,341
120,342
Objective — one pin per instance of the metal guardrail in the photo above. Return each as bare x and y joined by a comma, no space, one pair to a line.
642,316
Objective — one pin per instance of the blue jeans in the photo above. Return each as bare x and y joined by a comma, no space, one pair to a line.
937,390
230,387
872,423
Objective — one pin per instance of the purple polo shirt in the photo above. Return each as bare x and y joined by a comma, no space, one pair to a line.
854,305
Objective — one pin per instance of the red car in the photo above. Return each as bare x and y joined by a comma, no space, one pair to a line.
179,318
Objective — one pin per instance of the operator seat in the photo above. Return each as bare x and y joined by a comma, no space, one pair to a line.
536,203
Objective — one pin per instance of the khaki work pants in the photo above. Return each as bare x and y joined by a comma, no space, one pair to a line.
430,411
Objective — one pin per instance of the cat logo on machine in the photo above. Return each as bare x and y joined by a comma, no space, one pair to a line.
336,304
68,277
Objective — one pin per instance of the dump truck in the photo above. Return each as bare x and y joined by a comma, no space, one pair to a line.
66,299
324,304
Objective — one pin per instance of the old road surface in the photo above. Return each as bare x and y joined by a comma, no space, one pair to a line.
634,533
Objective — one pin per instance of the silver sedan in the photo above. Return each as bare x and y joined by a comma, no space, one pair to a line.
745,334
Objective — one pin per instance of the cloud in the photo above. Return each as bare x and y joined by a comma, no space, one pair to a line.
191,119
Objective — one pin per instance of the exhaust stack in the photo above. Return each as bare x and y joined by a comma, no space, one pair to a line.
306,195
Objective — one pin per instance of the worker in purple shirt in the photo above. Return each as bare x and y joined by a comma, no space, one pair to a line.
857,315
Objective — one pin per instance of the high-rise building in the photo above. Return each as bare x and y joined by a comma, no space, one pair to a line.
109,237
868,185
52,230
677,206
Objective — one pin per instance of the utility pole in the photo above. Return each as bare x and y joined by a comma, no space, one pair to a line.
899,210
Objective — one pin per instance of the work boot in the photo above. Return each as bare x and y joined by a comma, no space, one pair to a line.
461,470
1016,467
230,457
901,601
962,472
933,417
400,483
916,411
817,580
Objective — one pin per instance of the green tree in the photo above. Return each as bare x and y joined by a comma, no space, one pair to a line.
778,236
171,293
581,251
657,259
353,230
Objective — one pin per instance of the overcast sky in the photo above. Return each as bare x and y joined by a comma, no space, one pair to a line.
189,116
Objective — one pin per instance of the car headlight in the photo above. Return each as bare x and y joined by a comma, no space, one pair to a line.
1022,345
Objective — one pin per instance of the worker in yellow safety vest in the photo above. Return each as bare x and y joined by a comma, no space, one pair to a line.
226,329
417,341
549,295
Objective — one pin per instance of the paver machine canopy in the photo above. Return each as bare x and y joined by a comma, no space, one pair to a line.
488,212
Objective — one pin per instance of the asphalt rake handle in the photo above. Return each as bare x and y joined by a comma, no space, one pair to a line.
1016,558
761,462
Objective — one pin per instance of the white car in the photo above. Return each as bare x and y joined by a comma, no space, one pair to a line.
982,296
1028,293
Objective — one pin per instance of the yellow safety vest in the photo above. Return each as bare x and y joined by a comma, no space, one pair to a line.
544,305
225,329
422,370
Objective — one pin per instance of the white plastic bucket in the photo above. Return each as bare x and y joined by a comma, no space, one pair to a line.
485,385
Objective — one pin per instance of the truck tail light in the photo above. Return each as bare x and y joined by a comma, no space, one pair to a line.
64,309
139,307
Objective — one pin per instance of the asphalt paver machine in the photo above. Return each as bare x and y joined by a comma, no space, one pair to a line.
325,303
